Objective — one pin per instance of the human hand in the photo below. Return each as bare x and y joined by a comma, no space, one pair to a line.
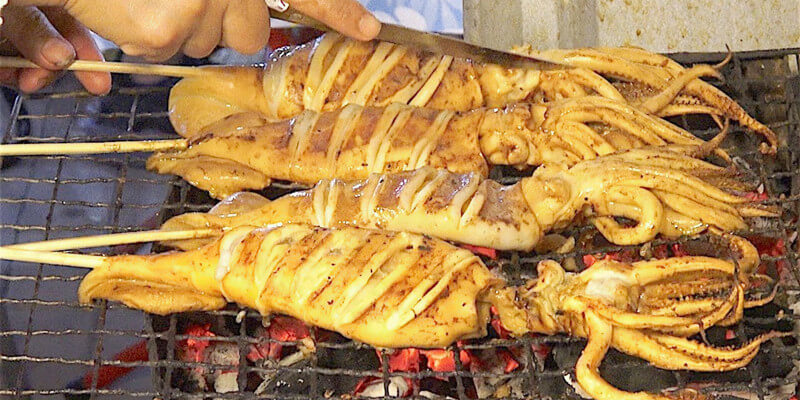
348,17
52,39
158,29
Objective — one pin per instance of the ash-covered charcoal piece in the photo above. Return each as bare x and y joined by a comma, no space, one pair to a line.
215,362
663,190
405,290
334,71
283,346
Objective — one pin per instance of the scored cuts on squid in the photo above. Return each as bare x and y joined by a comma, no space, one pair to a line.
398,144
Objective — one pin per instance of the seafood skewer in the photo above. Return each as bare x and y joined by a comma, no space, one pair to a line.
242,152
246,152
332,72
402,289
662,190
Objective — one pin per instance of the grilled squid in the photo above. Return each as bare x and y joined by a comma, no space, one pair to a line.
402,289
244,151
665,192
332,72
657,84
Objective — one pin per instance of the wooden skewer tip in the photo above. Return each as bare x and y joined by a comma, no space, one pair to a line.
175,71
49,149
54,258
113,239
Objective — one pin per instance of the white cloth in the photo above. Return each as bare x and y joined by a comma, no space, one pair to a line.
428,15
443,16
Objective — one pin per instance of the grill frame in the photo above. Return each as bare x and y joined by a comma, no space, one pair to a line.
756,94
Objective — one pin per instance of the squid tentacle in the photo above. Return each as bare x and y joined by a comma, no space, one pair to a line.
666,96
601,335
738,355
599,144
642,344
683,306
649,221
669,292
596,82
659,72
591,108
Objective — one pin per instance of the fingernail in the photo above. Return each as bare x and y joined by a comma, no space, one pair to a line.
40,83
369,26
58,52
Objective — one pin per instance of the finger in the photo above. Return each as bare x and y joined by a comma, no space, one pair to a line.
152,29
39,3
9,77
346,16
85,49
28,29
245,27
149,54
32,80
208,33
146,53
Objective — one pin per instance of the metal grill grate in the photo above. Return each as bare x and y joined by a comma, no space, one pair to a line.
48,339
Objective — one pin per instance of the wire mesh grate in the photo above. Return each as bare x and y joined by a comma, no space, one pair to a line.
53,346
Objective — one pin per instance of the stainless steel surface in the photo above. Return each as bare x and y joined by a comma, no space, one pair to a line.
433,43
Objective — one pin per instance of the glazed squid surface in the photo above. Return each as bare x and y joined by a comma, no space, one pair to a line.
664,191
244,151
401,289
332,71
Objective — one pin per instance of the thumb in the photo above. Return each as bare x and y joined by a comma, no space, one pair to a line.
346,16
28,29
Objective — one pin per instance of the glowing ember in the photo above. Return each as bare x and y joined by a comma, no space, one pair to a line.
623,256
281,329
773,247
404,360
755,196
497,325
678,251
481,251
442,360
540,349
508,358
193,349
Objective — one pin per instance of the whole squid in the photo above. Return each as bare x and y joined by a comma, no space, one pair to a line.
245,151
332,72
401,289
663,190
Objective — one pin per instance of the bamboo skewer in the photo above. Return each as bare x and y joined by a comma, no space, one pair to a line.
45,149
113,239
52,257
176,71
44,251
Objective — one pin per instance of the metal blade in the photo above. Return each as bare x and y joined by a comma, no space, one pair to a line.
433,43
